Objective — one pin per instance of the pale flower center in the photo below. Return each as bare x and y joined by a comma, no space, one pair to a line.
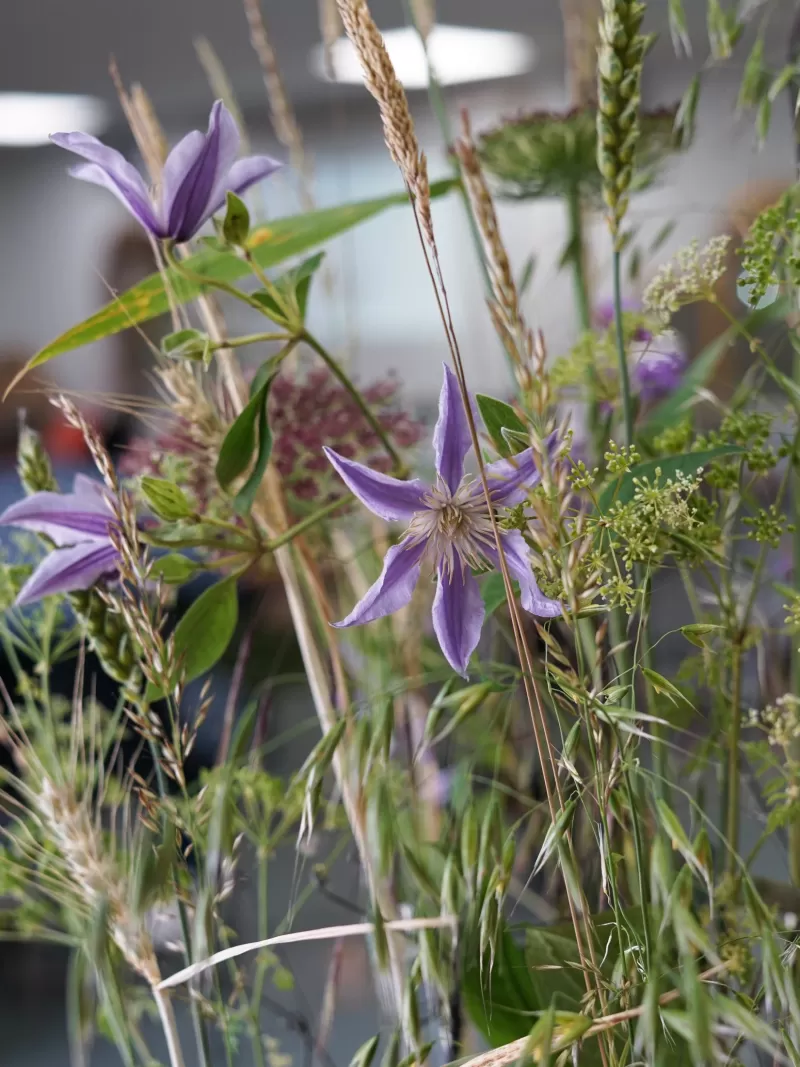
455,526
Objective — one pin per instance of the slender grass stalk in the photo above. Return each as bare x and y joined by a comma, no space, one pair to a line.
622,356
733,782
336,369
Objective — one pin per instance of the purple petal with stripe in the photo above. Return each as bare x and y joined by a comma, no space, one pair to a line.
244,173
451,436
66,570
510,479
177,168
387,497
395,586
458,612
517,556
109,168
66,518
194,199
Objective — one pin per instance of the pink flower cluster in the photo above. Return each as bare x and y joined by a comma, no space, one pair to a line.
315,411
306,412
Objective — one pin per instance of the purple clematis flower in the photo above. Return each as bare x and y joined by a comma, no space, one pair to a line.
448,526
657,366
198,173
80,525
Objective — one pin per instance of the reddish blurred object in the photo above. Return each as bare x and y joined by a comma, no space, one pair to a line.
63,442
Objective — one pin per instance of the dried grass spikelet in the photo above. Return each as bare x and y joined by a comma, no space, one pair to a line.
330,28
282,114
398,126
72,829
581,33
424,14
145,127
526,349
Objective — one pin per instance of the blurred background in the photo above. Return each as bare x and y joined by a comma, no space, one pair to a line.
66,247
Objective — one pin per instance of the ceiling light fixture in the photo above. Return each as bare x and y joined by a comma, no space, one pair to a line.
458,54
29,118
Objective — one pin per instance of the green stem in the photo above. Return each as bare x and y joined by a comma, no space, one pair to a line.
576,244
622,356
214,283
306,524
249,339
363,406
734,769
261,966
794,749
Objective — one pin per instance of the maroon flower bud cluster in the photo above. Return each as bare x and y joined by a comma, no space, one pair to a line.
306,412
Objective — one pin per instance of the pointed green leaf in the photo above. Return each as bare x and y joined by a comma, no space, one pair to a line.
248,434
236,225
205,631
271,244
498,416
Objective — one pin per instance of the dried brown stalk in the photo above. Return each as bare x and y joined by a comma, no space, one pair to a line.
424,14
398,126
330,28
282,114
581,21
404,149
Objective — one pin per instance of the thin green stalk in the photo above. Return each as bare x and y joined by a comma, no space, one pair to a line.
794,750
622,356
363,406
250,339
198,1023
734,767
306,524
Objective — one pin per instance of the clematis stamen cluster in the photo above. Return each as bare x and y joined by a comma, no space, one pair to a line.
449,528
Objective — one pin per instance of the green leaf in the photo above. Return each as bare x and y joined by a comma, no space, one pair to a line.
502,1005
187,344
687,112
498,416
174,569
663,685
205,631
366,1054
236,225
166,499
622,489
669,411
493,591
271,244
248,434
678,29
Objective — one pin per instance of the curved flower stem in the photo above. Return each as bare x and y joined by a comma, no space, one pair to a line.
733,783
249,339
363,406
305,524
208,283
622,357
169,1026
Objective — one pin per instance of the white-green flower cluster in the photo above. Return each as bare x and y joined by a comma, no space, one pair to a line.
691,276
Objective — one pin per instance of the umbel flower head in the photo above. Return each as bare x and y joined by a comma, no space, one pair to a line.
198,173
448,527
548,153
80,524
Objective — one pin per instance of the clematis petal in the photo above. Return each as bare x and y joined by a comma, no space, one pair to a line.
387,497
395,586
209,171
517,556
458,612
175,186
510,479
66,570
244,173
109,168
94,492
66,518
451,436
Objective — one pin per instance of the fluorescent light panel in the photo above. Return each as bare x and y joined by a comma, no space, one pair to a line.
29,118
458,54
